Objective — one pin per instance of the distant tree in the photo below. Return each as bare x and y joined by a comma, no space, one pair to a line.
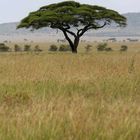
68,15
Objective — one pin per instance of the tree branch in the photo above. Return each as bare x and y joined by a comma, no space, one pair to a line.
67,37
88,27
98,27
83,30
70,32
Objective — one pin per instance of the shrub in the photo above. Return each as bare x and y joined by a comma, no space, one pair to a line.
102,47
27,48
37,49
5,41
53,48
64,48
17,48
108,49
4,48
88,48
123,48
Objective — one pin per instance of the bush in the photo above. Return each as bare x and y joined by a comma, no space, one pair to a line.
123,48
4,48
108,49
17,48
102,47
37,49
88,48
53,48
64,48
27,48
5,41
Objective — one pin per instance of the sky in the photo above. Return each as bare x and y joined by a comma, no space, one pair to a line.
15,10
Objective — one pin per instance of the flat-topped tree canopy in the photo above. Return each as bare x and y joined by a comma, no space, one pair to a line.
69,14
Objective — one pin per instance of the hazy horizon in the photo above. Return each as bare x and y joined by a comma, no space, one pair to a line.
18,9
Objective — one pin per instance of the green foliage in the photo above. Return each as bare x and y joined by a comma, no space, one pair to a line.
4,48
71,13
123,48
64,48
53,48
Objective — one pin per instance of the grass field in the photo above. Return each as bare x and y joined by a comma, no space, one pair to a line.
60,96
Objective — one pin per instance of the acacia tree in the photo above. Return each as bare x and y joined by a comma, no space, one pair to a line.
73,19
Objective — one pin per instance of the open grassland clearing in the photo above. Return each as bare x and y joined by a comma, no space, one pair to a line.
70,97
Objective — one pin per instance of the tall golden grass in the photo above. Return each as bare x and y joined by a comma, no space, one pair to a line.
70,97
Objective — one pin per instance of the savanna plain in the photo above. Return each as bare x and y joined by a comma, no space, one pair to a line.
63,96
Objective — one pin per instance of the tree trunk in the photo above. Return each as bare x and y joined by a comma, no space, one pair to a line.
74,50
72,44
76,43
